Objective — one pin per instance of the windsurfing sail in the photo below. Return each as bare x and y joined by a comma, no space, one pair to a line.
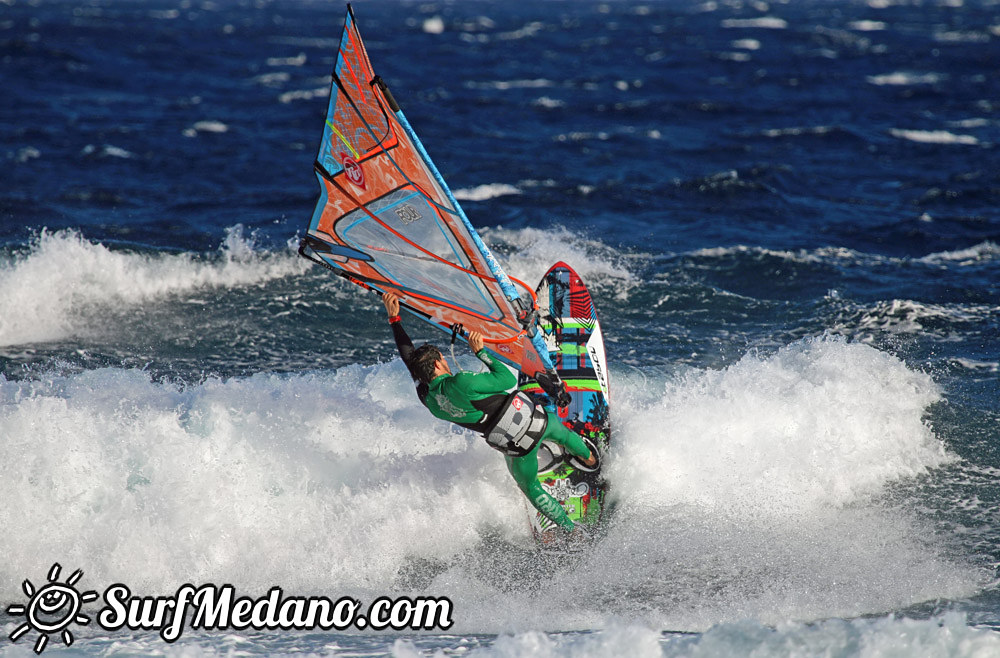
386,221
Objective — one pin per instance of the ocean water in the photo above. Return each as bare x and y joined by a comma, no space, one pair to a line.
787,214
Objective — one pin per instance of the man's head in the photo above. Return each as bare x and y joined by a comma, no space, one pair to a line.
425,363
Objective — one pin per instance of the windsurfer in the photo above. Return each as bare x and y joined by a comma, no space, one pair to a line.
481,401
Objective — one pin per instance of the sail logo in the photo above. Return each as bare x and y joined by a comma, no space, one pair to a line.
353,171
52,608
407,213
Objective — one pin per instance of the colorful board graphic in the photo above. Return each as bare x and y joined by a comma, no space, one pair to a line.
568,323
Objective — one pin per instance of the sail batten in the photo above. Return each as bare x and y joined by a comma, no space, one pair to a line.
386,219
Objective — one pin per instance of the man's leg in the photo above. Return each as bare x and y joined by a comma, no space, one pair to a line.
525,472
556,432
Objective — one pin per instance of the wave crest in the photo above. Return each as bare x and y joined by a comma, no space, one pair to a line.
64,282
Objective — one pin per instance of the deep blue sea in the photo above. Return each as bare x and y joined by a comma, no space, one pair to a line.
787,213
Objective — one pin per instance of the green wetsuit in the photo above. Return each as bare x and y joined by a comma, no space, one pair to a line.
465,398
525,470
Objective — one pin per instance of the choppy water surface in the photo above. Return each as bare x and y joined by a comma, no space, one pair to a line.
787,217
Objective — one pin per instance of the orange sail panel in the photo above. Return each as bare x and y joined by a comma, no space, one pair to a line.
386,221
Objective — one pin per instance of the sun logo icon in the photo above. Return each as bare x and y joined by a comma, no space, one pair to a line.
51,608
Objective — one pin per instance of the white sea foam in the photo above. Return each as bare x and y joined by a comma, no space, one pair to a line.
433,25
979,253
811,130
205,127
548,103
835,423
799,256
297,60
478,23
527,31
959,36
947,635
168,14
905,316
903,78
579,136
485,192
537,83
311,480
743,493
528,253
107,151
982,252
934,137
889,637
25,154
274,79
711,475
867,26
981,367
304,94
64,284
766,22
474,38
978,122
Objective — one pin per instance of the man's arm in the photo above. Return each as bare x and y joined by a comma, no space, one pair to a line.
403,343
499,378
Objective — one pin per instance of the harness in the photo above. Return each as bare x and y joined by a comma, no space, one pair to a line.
518,427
